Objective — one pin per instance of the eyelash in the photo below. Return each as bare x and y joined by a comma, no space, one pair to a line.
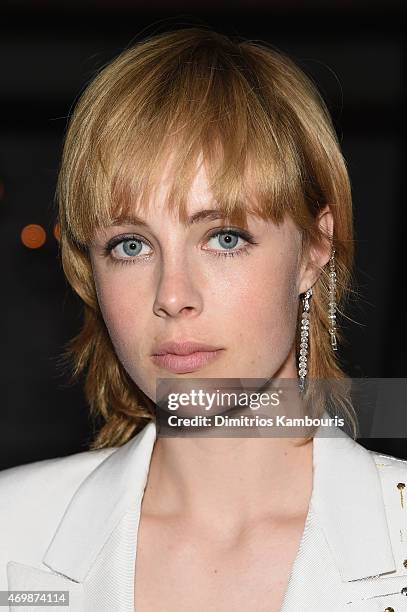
107,250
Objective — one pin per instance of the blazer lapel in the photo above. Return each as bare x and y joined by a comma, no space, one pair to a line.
346,540
95,543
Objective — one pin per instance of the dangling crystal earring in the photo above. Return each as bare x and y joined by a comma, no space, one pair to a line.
302,365
332,300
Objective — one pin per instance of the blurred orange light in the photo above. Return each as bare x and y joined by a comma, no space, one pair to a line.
33,236
57,231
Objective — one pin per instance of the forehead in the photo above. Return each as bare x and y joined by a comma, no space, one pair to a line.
200,203
198,197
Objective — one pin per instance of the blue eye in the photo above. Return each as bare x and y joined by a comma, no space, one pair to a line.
228,240
125,248
131,247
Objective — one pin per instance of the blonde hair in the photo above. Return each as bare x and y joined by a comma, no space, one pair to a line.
269,148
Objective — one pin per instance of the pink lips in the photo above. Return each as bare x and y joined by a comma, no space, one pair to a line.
181,364
183,357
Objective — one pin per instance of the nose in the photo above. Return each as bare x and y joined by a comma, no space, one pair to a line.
177,292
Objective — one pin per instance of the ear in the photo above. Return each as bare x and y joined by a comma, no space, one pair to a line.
319,254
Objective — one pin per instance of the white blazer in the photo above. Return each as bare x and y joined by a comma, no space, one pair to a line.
71,524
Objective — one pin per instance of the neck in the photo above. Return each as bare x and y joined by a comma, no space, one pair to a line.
204,480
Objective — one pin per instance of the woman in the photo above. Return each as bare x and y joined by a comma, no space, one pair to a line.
206,223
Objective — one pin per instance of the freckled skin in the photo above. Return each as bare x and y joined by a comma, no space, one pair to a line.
246,304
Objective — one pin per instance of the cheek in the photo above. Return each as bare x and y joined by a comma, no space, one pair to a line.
121,307
262,316
261,300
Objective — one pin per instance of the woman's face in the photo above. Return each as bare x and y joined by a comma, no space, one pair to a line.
163,281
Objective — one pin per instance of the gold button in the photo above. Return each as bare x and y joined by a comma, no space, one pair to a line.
405,562
401,485
389,610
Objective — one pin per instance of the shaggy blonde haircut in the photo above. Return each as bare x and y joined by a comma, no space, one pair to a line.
247,109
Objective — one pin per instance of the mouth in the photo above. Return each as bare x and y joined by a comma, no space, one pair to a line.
183,364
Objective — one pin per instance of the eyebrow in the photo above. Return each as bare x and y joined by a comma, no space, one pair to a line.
197,217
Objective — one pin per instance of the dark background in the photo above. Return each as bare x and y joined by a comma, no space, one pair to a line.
49,50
